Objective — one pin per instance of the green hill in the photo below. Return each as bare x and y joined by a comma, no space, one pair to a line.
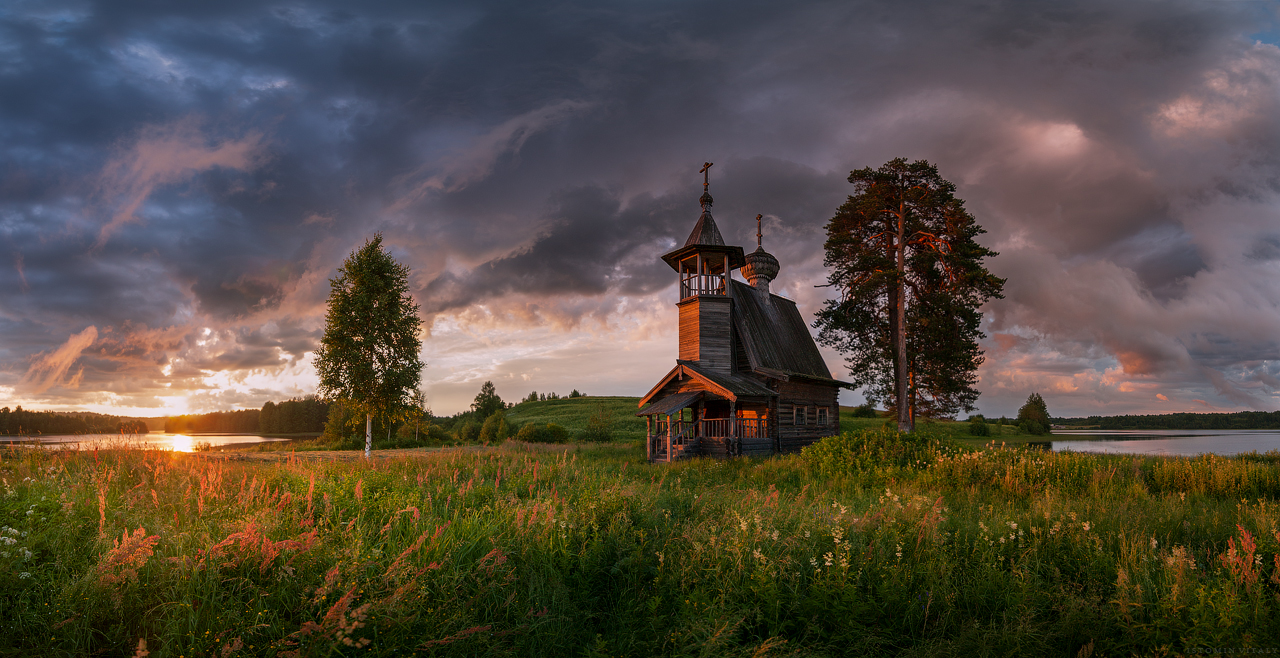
573,413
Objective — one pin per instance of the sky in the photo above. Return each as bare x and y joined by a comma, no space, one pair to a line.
180,181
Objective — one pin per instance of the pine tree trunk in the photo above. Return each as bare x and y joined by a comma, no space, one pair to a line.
368,434
905,420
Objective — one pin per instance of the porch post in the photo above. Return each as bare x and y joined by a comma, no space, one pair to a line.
668,437
648,438
734,439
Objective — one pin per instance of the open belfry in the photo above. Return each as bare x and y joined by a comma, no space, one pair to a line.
748,379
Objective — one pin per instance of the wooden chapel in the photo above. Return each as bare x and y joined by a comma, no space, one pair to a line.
748,379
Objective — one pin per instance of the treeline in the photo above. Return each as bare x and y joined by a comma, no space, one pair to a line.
305,415
294,416
245,420
21,422
1240,420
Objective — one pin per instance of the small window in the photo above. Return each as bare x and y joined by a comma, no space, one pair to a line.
801,416
822,416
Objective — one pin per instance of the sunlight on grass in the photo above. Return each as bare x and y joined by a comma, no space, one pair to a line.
868,543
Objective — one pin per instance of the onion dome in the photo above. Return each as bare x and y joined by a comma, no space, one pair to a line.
761,267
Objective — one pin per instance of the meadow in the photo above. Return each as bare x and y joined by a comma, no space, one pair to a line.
870,543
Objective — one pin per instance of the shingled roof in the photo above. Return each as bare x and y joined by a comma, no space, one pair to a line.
774,335
705,231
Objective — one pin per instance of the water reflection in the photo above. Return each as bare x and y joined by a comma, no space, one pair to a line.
1182,443
151,441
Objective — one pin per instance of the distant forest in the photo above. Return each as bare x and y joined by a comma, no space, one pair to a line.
1240,420
20,422
291,416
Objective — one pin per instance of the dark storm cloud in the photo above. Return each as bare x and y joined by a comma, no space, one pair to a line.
170,170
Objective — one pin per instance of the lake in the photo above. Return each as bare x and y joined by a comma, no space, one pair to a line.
151,441
1185,443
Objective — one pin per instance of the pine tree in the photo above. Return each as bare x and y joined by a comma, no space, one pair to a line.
911,280
368,357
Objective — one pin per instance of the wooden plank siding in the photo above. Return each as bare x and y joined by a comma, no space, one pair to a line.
705,336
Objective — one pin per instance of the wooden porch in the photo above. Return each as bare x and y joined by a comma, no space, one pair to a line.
672,439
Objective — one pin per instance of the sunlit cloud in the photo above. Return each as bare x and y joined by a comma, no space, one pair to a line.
50,369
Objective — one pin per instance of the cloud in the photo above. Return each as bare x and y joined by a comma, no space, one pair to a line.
49,369
162,155
462,167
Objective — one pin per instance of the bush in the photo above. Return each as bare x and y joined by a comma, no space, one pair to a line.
865,411
873,449
549,433
599,426
495,428
978,426
469,432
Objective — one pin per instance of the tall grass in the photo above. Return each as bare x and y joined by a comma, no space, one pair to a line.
869,543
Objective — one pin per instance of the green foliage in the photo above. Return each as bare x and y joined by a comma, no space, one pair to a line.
307,414
549,433
23,422
1033,417
244,420
575,414
599,425
933,274
872,545
368,355
494,428
865,410
876,449
468,432
978,426
487,401
575,394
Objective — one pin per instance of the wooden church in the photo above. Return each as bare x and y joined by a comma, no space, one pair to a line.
749,379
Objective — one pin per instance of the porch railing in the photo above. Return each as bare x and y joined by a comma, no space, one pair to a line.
681,432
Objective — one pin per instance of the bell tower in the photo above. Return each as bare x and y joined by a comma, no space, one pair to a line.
703,265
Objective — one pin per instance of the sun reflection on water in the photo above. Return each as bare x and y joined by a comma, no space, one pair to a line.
182,443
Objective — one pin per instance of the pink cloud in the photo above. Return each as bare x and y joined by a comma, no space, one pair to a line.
50,368
163,155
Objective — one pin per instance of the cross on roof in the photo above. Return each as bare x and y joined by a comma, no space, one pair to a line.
704,171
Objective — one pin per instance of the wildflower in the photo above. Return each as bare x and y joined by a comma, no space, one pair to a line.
1086,525
1013,526
806,534
8,541
983,526
828,557
899,552
1154,543
774,535
24,575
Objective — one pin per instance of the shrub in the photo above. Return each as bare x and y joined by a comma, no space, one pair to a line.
865,411
978,426
549,433
871,449
469,432
599,425
495,428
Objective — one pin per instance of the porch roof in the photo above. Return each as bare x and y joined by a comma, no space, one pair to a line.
671,403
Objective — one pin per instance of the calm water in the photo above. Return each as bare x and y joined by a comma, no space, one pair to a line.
152,441
1167,442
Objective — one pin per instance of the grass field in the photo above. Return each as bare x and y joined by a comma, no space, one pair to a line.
866,544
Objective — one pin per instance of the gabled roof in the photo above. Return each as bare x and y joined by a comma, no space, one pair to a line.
730,387
775,336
